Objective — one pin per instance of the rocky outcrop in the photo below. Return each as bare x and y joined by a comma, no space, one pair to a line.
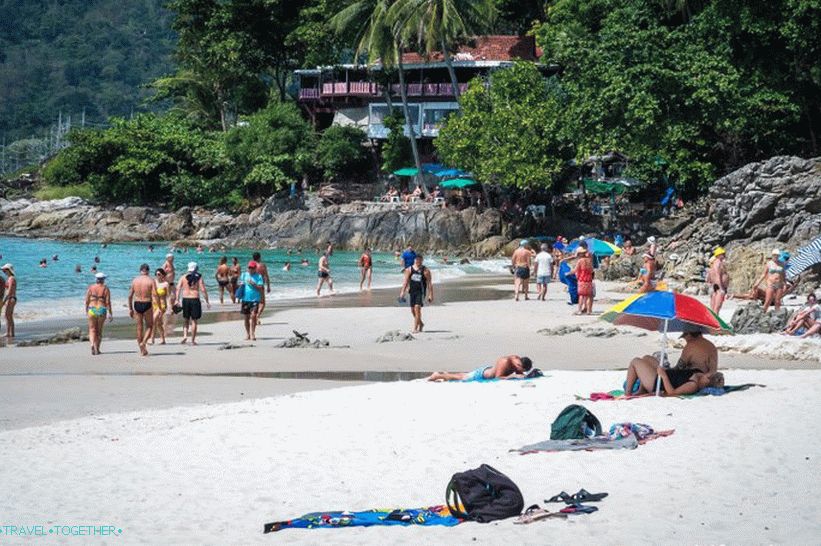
765,205
353,225
751,319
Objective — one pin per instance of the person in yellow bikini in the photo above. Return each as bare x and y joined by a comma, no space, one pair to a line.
159,304
98,307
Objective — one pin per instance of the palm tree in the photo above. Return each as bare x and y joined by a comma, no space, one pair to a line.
375,37
436,25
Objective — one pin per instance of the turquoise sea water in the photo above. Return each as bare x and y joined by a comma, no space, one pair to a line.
58,291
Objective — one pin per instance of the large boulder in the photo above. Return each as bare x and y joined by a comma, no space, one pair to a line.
751,319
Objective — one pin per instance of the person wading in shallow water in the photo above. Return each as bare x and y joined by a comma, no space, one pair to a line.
417,283
140,297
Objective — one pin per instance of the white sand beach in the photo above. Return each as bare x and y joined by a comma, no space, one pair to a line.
199,459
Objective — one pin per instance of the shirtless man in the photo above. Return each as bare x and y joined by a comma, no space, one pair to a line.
222,275
718,280
140,296
695,370
506,367
9,299
262,269
521,269
188,290
324,274
170,274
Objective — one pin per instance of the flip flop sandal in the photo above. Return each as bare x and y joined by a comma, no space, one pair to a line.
536,513
578,509
564,497
585,496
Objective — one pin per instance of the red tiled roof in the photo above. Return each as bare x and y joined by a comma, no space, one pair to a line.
485,48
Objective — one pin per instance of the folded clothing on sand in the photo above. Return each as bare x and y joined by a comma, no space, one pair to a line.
621,437
431,515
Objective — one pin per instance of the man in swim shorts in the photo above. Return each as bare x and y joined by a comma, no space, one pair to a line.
140,296
520,261
506,367
188,290
253,298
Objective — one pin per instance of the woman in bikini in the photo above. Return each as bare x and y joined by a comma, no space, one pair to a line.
234,273
223,275
776,280
10,299
159,305
98,308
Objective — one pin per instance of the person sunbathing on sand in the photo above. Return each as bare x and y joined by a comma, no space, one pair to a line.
506,367
696,369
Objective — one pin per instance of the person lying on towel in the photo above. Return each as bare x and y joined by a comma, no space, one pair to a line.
506,367
696,369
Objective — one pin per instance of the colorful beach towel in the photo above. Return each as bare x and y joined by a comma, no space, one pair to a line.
618,394
431,515
622,436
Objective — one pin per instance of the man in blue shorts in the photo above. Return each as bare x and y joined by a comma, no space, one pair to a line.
506,367
253,298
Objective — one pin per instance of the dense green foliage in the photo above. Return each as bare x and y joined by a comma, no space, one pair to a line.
146,159
396,151
340,152
707,86
509,132
75,55
274,148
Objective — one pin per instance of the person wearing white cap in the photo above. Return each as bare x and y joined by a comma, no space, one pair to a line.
170,275
98,307
188,291
520,262
652,248
10,299
776,279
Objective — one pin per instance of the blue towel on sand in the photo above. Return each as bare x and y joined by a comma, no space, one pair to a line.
431,515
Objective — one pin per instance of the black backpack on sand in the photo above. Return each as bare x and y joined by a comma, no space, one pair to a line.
483,494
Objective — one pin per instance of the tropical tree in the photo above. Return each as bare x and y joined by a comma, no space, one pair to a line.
439,25
375,37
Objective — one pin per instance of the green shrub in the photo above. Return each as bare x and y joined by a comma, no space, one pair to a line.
340,152
47,193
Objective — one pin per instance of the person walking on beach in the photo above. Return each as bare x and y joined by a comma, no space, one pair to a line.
160,305
188,291
98,308
417,283
408,257
10,299
366,268
774,273
253,298
521,270
262,269
543,270
506,367
170,275
324,274
140,298
584,276
234,273
222,275
718,280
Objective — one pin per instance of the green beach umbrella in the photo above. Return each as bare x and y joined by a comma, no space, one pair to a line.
458,183
406,171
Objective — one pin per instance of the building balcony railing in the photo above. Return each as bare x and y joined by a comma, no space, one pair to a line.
371,89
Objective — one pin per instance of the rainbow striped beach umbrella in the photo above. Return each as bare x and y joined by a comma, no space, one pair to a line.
666,312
